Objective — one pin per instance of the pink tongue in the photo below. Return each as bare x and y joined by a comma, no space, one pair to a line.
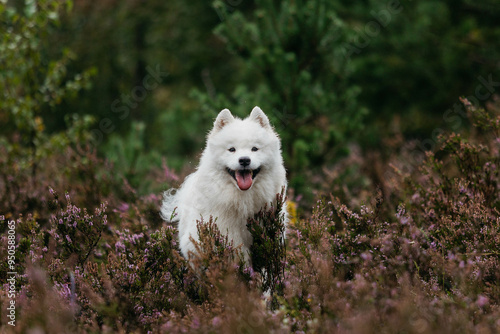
244,179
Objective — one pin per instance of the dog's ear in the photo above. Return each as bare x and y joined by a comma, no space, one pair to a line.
258,116
224,118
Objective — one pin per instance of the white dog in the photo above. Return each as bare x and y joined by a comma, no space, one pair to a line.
240,171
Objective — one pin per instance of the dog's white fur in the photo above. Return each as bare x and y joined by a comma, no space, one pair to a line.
212,191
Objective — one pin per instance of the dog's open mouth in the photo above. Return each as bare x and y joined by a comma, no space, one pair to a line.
243,177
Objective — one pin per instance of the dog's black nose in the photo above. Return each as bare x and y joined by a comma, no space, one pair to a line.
244,161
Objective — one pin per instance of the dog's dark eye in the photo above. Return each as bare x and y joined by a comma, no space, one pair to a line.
254,149
232,149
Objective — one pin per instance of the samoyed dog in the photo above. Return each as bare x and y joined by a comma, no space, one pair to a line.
240,171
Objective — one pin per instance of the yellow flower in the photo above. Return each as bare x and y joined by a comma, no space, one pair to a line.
291,208
39,124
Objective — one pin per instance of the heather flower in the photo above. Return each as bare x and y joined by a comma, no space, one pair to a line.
119,247
366,256
216,322
482,301
420,257
122,208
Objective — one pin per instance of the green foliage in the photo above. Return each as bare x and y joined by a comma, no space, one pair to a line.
30,82
128,37
408,242
326,72
296,71
131,158
412,58
31,85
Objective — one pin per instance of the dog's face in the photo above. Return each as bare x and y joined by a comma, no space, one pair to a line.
244,149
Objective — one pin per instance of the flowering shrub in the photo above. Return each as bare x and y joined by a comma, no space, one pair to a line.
419,255
268,250
75,232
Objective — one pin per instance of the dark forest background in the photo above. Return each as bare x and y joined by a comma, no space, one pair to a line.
328,73
388,115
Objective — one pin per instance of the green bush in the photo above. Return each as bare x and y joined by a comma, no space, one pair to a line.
296,72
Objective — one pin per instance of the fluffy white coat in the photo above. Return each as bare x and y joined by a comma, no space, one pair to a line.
241,170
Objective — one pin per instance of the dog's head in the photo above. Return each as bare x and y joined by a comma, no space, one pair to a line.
244,149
